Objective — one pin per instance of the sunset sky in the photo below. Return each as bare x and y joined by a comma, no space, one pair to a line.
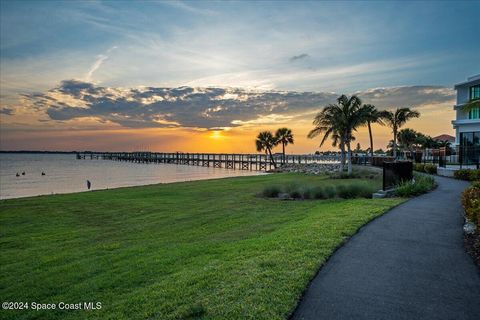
208,76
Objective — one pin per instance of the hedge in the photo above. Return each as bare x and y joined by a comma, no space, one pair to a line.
471,203
425,167
467,174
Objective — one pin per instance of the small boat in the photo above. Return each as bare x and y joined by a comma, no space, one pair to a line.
43,173
18,175
23,173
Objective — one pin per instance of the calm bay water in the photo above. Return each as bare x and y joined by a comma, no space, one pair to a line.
65,174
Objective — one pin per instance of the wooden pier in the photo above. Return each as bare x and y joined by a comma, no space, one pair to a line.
253,162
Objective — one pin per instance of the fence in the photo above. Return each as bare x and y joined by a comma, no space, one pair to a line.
459,156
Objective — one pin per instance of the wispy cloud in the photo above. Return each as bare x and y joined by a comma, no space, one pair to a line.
299,57
98,63
189,8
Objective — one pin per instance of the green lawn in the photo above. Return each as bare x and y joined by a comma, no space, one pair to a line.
206,249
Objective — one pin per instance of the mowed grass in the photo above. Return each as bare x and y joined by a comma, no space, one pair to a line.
195,250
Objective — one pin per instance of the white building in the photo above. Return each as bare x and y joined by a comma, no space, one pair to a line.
467,124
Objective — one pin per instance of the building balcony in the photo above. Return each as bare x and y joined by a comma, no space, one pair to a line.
465,121
459,105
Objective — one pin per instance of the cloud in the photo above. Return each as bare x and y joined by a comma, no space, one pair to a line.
299,57
408,96
208,108
6,111
98,63
183,6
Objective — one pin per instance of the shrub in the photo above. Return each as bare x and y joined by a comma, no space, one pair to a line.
345,191
467,174
358,173
419,185
425,167
419,167
354,190
430,168
330,192
345,175
306,193
320,193
471,203
271,191
295,194
291,187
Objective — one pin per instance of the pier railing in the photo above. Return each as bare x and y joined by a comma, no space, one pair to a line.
254,162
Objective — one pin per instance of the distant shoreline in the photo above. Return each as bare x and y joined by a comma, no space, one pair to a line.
43,152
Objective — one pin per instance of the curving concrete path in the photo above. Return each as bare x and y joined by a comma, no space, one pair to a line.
407,264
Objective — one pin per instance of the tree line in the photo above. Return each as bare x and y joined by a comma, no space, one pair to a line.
339,122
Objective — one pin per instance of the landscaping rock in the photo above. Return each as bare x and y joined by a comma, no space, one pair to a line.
284,196
309,168
469,228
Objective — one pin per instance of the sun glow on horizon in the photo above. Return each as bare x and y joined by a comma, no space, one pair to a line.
216,134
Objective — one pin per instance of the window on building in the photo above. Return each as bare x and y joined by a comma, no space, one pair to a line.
474,113
469,147
470,139
475,92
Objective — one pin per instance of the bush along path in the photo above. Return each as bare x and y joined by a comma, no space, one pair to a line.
407,264
471,204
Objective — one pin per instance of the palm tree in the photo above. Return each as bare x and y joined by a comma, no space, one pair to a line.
328,122
372,115
407,138
396,119
284,136
472,104
444,144
266,142
340,120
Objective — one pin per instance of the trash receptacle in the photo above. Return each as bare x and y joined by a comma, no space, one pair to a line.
395,172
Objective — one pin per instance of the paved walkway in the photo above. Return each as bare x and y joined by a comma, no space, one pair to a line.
408,264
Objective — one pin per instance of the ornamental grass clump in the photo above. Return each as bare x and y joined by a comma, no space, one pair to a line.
355,190
319,192
271,191
419,185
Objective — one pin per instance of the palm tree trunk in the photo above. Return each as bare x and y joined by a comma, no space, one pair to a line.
349,158
283,146
371,138
271,158
395,144
342,156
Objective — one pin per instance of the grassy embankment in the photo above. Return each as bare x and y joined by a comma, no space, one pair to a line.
206,249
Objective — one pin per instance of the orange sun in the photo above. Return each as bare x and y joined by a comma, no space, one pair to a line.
216,134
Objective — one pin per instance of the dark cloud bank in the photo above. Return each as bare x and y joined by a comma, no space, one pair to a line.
206,107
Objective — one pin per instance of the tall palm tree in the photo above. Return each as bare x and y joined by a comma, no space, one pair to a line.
266,142
372,115
396,119
340,120
328,122
284,136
